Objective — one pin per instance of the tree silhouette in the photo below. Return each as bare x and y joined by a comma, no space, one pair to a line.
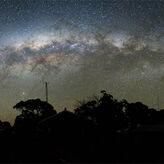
137,114
106,112
32,111
35,107
87,110
110,113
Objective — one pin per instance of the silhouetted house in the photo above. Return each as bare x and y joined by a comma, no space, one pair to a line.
145,143
148,134
66,124
68,133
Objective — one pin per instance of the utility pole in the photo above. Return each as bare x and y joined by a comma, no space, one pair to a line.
46,85
158,101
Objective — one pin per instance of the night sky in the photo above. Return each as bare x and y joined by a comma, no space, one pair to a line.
80,47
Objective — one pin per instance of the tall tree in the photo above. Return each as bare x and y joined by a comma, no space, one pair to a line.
35,107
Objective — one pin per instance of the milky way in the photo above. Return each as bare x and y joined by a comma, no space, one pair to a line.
80,47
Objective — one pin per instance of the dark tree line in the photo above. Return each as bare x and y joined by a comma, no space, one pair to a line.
98,130
120,116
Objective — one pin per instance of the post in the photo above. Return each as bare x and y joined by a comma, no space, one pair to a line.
158,101
46,92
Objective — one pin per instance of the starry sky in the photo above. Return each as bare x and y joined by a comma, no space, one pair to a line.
80,47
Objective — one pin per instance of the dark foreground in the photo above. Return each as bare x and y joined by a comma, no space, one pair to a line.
111,148
97,131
